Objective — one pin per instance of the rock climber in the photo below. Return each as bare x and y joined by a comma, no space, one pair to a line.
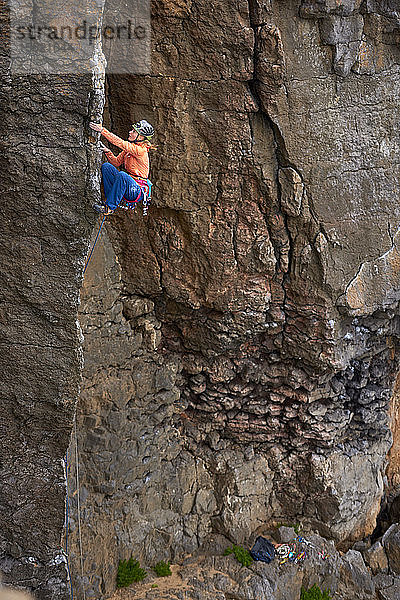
130,184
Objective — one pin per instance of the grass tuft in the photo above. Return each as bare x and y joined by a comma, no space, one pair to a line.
162,569
241,555
129,571
315,593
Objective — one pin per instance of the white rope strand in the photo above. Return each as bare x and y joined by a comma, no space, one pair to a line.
79,507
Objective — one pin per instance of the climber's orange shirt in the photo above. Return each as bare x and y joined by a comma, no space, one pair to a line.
134,157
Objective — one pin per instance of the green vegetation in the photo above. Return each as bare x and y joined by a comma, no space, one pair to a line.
314,593
295,526
162,569
241,555
129,571
155,585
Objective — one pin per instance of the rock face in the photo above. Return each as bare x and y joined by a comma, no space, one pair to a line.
44,232
208,575
241,342
254,322
391,542
44,235
376,558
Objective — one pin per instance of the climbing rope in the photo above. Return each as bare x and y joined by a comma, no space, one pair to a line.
77,494
95,242
67,523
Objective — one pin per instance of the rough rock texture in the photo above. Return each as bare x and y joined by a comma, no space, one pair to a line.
253,325
240,357
125,440
390,588
45,227
262,253
391,542
390,511
140,488
208,575
376,558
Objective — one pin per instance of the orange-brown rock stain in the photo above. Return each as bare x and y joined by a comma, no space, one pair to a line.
393,468
355,294
394,261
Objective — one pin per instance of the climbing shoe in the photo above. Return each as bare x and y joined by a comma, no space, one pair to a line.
102,208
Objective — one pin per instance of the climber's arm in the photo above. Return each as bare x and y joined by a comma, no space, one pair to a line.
133,149
115,160
111,158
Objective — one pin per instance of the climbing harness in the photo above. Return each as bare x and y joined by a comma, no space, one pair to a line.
145,195
95,242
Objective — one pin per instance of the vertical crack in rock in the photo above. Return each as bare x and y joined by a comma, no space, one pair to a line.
280,151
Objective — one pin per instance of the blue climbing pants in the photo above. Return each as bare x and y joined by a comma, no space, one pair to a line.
119,185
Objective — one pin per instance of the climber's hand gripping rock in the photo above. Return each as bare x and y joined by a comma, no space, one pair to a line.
96,126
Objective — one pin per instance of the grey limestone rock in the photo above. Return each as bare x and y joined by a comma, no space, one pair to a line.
355,574
376,558
286,534
391,543
241,342
392,592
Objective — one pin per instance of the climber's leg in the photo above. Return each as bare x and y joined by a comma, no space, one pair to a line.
124,186
117,185
110,173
